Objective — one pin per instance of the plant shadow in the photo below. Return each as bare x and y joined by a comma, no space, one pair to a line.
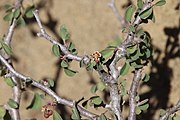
161,74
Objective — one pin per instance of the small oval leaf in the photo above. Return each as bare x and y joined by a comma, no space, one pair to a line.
64,64
36,102
75,113
2,112
146,13
9,82
94,89
176,117
21,21
64,33
69,72
96,100
140,4
102,117
132,28
146,78
7,48
124,70
107,53
138,111
12,103
129,12
56,50
132,49
51,83
144,107
71,46
16,13
28,12
101,86
56,116
160,3
8,17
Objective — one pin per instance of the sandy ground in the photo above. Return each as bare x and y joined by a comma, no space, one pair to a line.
92,25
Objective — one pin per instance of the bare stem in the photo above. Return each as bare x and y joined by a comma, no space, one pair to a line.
171,111
121,20
63,48
15,89
132,95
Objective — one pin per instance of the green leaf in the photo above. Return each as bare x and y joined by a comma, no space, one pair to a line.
144,107
90,66
56,50
160,3
96,100
94,89
64,64
9,81
148,53
64,33
124,70
137,98
51,82
81,63
170,118
132,28
69,72
176,117
101,86
75,113
36,102
56,116
2,112
117,41
136,65
123,87
129,12
28,12
7,6
146,13
136,54
162,111
107,53
102,117
8,17
138,111
140,4
6,48
71,46
16,13
20,21
146,78
132,49
12,103
140,32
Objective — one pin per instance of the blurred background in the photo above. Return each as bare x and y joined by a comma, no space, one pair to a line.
93,25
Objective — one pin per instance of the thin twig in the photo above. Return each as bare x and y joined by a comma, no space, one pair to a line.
171,111
121,20
63,48
47,90
132,95
16,91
